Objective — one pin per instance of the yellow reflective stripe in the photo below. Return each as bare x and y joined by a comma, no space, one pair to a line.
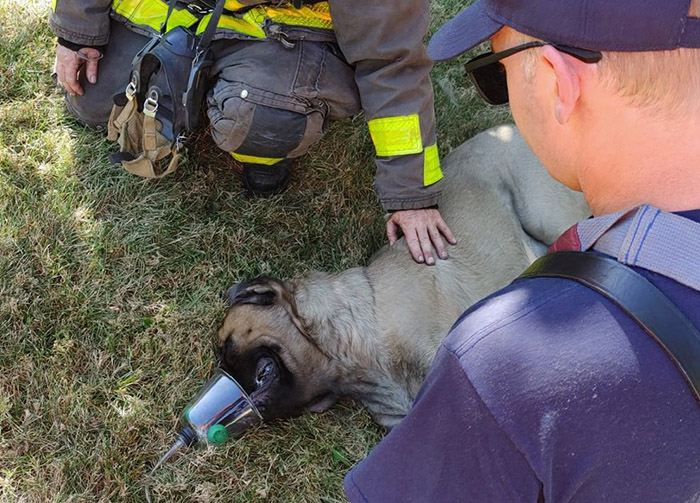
152,13
312,16
431,165
256,16
244,25
267,161
251,22
398,135
234,5
53,5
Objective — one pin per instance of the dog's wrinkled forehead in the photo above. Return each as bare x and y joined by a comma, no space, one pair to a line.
263,309
242,325
262,305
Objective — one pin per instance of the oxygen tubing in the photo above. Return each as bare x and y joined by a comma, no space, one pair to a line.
184,439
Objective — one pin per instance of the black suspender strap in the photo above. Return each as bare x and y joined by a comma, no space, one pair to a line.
164,26
208,34
637,297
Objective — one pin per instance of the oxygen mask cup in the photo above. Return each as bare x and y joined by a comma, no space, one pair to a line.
221,409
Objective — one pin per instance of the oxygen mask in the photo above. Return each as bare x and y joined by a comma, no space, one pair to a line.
222,409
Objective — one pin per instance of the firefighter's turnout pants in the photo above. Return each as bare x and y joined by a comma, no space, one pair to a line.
271,99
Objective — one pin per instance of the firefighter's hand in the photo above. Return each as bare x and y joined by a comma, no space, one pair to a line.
69,63
423,230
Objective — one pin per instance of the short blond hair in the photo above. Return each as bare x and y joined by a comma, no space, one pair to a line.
662,81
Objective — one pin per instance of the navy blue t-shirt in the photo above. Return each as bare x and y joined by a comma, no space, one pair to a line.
545,392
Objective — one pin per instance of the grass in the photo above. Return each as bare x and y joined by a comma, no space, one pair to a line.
110,293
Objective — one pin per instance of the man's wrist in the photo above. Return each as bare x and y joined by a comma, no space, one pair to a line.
76,47
431,207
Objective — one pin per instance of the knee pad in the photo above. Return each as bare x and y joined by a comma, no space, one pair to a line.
254,129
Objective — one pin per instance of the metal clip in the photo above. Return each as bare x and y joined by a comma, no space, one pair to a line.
197,57
275,32
85,57
179,141
150,106
199,9
285,41
130,90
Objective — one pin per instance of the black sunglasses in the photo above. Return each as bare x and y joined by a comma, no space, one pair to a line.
489,75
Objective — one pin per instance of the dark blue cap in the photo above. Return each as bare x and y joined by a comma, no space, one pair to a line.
601,25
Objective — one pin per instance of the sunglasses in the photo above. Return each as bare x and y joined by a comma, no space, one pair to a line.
489,75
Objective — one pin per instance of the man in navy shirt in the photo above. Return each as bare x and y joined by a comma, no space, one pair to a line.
546,391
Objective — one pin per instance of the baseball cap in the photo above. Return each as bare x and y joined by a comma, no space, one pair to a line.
601,25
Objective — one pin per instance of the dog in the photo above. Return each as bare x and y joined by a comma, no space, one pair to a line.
370,333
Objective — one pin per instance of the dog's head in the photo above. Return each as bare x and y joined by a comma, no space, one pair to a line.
266,346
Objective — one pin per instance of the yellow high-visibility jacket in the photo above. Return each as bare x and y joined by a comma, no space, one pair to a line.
381,39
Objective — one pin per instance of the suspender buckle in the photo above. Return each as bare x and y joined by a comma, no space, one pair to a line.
130,91
150,106
199,8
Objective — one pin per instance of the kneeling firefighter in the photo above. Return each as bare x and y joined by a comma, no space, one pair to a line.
271,76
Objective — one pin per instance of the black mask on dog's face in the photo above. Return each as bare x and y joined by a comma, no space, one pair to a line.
264,377
265,347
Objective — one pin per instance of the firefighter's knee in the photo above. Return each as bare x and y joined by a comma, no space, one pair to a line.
88,111
247,128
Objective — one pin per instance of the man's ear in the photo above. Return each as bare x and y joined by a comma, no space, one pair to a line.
567,73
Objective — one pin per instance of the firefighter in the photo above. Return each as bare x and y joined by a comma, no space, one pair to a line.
282,72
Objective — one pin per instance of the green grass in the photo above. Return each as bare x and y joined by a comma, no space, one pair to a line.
110,293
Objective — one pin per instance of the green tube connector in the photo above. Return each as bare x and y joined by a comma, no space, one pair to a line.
217,434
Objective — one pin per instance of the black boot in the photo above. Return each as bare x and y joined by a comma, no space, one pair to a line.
262,180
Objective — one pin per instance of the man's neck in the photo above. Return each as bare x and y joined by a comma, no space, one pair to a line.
643,159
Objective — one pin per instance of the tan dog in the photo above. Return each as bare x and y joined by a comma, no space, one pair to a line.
371,332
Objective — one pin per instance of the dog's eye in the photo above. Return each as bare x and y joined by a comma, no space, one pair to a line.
265,368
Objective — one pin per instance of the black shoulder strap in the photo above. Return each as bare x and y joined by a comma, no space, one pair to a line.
164,26
637,297
208,34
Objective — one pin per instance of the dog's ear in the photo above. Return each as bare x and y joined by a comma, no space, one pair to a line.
232,292
260,292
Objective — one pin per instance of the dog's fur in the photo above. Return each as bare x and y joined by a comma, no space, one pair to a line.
371,332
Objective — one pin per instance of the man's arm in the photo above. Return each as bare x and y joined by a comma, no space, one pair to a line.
81,22
384,42
449,448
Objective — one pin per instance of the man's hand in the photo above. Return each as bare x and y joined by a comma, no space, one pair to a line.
68,64
423,230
